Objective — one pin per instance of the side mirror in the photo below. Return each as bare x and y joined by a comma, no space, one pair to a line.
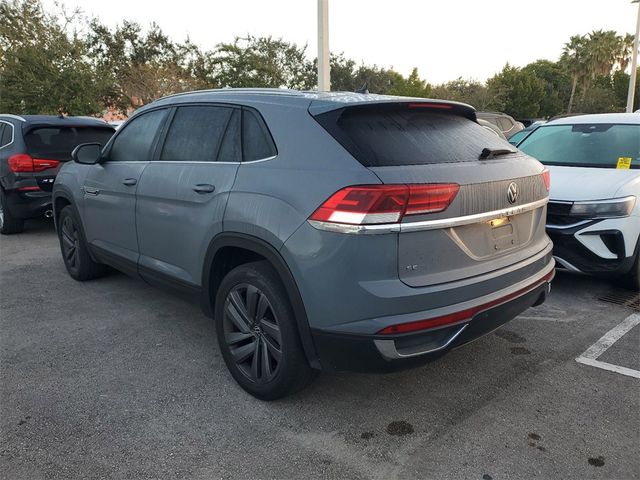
87,153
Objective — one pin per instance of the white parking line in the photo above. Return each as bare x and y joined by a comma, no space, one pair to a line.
590,357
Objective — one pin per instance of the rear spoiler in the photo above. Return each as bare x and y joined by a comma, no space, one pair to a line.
380,102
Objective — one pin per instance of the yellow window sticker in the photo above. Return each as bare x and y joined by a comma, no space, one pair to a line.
624,162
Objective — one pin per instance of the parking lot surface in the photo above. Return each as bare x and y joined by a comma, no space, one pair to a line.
114,379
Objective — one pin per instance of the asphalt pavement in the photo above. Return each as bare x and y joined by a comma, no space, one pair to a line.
115,379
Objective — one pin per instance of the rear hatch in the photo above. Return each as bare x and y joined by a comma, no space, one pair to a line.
496,218
49,146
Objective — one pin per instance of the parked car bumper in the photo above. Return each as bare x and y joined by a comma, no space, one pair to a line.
600,247
28,204
384,353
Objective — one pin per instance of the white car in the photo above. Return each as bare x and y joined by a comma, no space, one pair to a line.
593,215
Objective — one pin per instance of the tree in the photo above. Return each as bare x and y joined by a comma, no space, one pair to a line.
413,86
262,62
575,60
520,92
135,68
42,64
557,86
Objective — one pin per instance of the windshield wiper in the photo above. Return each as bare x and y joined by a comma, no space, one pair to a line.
489,153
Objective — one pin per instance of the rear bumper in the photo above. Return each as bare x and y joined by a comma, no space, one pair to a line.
28,204
384,353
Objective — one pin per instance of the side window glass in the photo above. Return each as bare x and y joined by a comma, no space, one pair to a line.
6,134
196,134
230,150
136,140
256,141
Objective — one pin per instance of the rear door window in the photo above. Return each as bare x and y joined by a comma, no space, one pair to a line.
138,137
257,143
381,136
196,134
5,134
57,143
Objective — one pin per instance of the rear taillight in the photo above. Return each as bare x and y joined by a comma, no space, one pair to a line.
376,204
546,176
23,163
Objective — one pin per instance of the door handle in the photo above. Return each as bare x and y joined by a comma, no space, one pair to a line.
204,188
90,191
129,181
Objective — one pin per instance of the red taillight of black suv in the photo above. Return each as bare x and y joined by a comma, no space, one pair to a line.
25,163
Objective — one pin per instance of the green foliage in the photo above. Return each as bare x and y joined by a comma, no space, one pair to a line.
413,86
42,66
60,61
557,86
469,92
262,62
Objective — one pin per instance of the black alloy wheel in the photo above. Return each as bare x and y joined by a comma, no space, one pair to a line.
252,333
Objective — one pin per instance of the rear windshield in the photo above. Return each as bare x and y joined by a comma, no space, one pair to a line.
57,143
385,137
585,145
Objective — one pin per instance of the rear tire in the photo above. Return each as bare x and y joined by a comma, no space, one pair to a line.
257,333
8,223
75,252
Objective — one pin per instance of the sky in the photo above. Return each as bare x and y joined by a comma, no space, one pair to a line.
445,39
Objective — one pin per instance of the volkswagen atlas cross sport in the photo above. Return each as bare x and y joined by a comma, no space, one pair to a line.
594,211
321,231
32,148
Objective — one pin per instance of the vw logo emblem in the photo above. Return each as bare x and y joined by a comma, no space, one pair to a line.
512,192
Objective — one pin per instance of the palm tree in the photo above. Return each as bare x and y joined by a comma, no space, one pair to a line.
575,58
603,49
625,51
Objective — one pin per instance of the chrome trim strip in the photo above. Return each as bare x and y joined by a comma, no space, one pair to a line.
13,133
360,229
427,224
188,162
388,350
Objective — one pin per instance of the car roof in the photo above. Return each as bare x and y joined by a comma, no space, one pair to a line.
625,118
55,120
317,102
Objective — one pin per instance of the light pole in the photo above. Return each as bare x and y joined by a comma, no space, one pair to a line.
324,84
634,64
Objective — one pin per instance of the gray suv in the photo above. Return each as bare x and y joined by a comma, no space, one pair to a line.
321,231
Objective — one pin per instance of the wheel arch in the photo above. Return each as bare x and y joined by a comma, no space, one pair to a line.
245,248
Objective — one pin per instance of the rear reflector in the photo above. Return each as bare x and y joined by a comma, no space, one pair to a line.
24,163
462,315
546,176
376,204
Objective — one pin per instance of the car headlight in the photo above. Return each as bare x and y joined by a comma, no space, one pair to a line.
614,208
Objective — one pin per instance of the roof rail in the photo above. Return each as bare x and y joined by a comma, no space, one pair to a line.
255,91
16,117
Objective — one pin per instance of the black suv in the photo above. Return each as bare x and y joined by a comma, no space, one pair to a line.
32,147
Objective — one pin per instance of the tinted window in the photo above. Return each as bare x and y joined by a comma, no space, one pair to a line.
57,143
384,137
136,140
588,145
256,141
2,140
7,135
196,134
230,150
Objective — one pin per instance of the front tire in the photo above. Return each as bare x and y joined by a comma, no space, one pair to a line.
75,252
8,223
257,333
